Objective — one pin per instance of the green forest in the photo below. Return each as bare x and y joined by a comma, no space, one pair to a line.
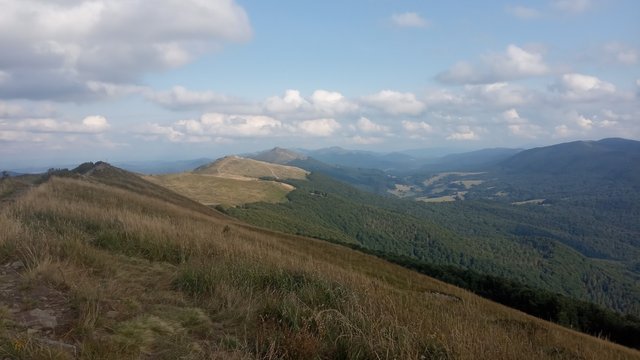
538,246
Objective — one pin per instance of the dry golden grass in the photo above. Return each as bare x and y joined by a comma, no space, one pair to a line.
214,190
157,280
234,166
232,181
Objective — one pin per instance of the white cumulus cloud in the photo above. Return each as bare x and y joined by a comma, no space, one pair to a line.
320,103
331,102
366,140
319,127
514,63
620,53
463,132
520,126
94,124
562,131
180,97
580,87
221,127
51,49
416,126
584,122
395,103
500,94
290,102
230,125
368,126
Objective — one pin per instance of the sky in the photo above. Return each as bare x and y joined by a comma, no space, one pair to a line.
120,80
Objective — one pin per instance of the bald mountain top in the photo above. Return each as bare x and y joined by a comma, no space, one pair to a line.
233,180
239,167
278,155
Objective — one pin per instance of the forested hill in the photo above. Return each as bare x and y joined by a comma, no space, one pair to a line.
607,158
521,243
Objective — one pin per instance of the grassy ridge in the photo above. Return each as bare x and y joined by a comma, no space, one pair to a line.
232,181
150,278
249,168
581,315
213,190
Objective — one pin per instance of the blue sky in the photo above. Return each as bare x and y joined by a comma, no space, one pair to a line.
167,79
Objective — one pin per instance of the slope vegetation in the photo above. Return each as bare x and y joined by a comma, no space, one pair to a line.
138,273
235,166
536,246
232,181
610,158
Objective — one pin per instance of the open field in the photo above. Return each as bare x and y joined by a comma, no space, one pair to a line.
144,275
402,191
232,181
438,177
214,190
468,183
446,198
234,166
529,202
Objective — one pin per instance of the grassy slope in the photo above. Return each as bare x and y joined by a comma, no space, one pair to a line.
232,181
213,190
237,166
150,276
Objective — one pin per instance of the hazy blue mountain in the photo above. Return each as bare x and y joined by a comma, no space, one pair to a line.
473,160
364,178
431,153
365,159
607,158
162,167
40,169
277,155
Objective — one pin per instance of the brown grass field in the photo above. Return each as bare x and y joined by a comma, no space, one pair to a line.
141,273
232,181
232,166
214,190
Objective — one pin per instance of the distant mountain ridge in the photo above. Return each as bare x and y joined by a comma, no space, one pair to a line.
232,180
394,162
278,155
234,166
365,159
473,160
161,166
613,157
